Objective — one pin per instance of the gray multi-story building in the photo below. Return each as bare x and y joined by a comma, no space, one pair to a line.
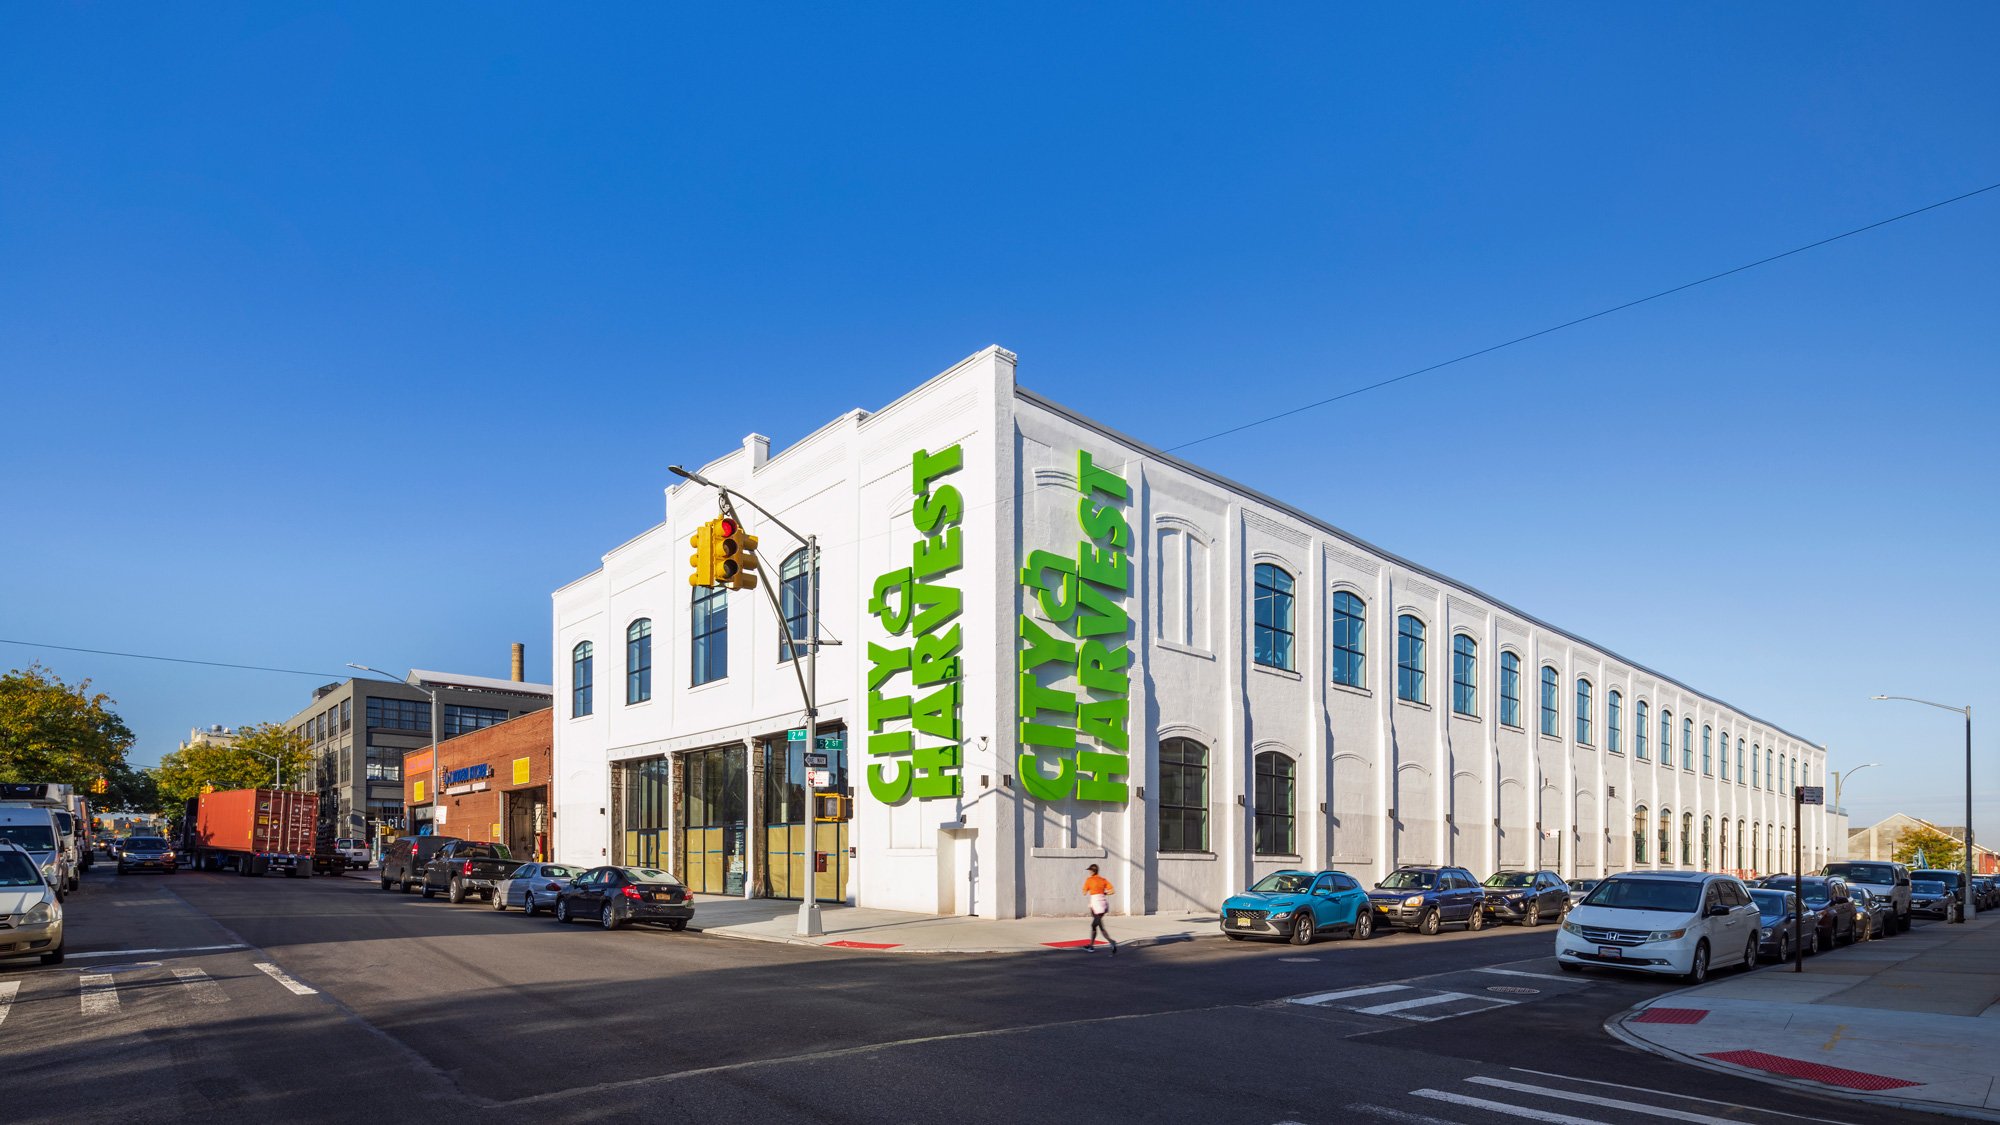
359,729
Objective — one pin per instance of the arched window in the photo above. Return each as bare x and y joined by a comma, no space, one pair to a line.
1756,846
1350,639
1666,852
710,635
1639,829
1275,811
1183,795
1274,629
1756,773
794,600
1770,770
1510,689
1464,675
580,678
1614,722
1723,761
639,661
1707,857
1739,844
1409,659
1666,738
1551,702
1722,841
1687,839
1639,732
1707,751
1687,744
1583,713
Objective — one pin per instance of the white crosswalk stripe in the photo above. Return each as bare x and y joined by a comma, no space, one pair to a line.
7,991
1550,1098
100,994
1400,1008
1406,1002
279,975
201,988
1503,1107
1608,1103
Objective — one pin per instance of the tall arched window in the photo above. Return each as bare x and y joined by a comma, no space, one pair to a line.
580,678
1756,772
1639,830
1409,659
1666,738
1350,639
1723,761
1756,846
1274,631
1707,856
1275,804
1551,702
1739,846
1639,732
639,661
1687,744
1740,775
1687,839
1583,713
1666,852
1510,689
794,600
1464,674
1771,778
1614,722
710,635
1183,795
1722,840
1707,750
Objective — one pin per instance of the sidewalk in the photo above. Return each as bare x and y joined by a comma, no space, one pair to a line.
1912,1020
894,931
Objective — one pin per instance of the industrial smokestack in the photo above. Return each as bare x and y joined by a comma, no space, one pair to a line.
520,657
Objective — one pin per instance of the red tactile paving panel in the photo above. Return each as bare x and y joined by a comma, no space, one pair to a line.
864,944
1671,1015
1077,944
1812,1071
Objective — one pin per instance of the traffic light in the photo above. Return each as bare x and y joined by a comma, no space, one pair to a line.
703,559
101,785
735,556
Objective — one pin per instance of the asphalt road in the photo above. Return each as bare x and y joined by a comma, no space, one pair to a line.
208,997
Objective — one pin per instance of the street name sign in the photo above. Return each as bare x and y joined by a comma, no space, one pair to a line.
1812,794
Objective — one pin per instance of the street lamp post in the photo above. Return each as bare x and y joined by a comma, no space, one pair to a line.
1840,780
432,693
278,781
1965,860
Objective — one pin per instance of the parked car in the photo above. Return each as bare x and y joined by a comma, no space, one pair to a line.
532,886
1578,888
148,853
403,861
354,851
619,896
1933,898
1985,891
1526,897
1874,914
1669,922
1881,880
1426,899
30,900
1828,906
1953,880
468,869
1298,906
1775,930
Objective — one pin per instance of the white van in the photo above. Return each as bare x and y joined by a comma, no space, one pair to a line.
34,830
1677,923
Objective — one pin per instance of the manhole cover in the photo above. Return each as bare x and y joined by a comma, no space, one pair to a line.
1300,960
1512,989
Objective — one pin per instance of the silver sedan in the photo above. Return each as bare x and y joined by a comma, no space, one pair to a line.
533,886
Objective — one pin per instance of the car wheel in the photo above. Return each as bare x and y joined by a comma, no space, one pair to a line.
528,906
499,900
1364,924
1750,955
677,924
457,892
1534,917
1429,924
385,882
1698,968
1478,919
427,890
1302,928
562,910
53,956
608,918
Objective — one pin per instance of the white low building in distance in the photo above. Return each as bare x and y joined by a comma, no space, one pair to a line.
1060,646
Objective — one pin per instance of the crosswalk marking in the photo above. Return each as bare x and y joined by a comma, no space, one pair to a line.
7,991
1671,1094
1396,1007
201,988
279,975
1519,973
1503,1107
100,993
1323,997
1403,1115
1609,1103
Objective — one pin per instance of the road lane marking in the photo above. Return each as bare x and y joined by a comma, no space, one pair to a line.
1519,973
201,987
1323,997
7,991
1608,1103
1503,1107
279,975
100,994
1403,1115
136,952
1672,1094
1424,1001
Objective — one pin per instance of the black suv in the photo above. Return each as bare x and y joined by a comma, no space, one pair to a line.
1426,899
403,862
1526,897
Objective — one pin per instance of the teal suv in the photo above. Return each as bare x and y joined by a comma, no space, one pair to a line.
1298,906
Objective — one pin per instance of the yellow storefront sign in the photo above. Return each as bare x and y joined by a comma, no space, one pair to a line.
521,771
418,793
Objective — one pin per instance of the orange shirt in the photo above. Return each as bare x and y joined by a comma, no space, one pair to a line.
1097,885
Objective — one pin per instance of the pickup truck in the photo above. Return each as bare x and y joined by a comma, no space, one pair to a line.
464,868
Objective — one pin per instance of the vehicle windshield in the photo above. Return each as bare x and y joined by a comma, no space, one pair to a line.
1283,883
146,843
1948,878
1510,878
649,875
34,837
16,870
1409,881
484,851
1862,872
1927,886
65,823
1770,903
1646,894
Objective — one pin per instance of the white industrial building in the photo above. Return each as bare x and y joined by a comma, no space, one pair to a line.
1060,646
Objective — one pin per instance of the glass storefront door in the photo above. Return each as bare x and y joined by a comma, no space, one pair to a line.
714,821
786,817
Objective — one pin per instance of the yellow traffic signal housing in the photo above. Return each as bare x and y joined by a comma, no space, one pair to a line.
735,556
703,559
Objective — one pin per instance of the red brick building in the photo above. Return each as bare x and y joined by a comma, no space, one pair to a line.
495,785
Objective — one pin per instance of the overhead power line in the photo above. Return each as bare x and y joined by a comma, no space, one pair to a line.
1634,303
176,659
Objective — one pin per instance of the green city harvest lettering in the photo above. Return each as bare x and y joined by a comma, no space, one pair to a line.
1080,638
915,695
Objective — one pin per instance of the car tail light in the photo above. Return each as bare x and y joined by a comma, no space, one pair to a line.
553,887
630,892
467,869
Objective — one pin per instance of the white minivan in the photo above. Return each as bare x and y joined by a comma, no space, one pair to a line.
34,830
1676,923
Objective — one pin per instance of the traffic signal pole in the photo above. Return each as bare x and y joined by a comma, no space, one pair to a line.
808,677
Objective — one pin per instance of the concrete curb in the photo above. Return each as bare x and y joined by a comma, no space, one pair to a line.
905,950
1615,1027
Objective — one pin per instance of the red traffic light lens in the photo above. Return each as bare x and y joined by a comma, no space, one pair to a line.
729,527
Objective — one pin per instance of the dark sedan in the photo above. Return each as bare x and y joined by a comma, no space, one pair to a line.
618,896
148,853
1933,898
1774,925
1526,897
1828,906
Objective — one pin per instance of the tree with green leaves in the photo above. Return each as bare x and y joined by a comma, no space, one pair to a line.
1940,852
57,732
250,761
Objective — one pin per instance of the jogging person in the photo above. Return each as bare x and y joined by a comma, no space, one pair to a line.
1097,892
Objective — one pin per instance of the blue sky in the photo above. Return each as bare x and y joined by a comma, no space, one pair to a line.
349,332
